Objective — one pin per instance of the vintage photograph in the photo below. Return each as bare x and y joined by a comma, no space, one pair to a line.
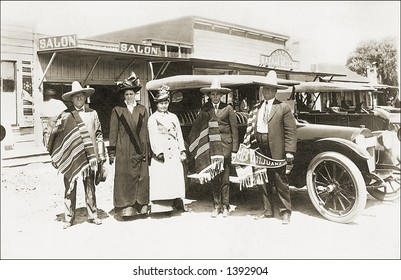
200,130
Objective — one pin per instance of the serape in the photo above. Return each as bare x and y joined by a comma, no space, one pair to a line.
71,148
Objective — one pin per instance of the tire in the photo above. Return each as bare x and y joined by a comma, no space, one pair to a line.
389,191
336,187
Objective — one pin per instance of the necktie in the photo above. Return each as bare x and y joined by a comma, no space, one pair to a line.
215,108
266,115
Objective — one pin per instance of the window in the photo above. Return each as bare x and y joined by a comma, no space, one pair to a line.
8,76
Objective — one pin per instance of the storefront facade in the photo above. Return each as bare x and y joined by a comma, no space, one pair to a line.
184,46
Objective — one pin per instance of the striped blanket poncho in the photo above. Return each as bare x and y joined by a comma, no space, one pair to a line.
253,170
206,148
71,148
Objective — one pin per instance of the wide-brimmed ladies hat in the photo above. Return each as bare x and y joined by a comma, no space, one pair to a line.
77,88
163,94
215,87
132,82
271,81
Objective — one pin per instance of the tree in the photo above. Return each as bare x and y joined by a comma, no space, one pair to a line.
383,54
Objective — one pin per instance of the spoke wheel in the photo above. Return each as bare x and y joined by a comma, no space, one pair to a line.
336,187
389,190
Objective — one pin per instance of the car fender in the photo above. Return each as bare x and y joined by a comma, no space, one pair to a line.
342,146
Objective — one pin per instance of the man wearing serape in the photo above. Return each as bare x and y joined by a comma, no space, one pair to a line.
77,150
271,127
213,137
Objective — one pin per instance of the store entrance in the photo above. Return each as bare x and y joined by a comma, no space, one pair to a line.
103,101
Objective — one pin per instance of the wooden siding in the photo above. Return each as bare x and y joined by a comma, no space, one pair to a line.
224,47
16,43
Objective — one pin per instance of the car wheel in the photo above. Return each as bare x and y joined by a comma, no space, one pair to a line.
389,190
336,187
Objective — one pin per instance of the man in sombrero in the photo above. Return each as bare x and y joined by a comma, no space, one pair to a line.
271,127
77,150
213,137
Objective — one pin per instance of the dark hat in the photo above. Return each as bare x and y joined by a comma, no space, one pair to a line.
215,87
77,88
50,92
163,94
131,83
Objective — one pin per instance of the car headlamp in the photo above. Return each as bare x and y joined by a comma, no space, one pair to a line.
387,140
360,140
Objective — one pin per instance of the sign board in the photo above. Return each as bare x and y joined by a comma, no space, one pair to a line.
278,58
139,49
58,42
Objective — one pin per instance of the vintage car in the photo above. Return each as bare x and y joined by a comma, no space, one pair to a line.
338,165
344,104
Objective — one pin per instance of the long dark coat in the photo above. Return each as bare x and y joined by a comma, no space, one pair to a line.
131,181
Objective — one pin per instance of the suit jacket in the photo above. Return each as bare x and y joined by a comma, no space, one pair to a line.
281,126
228,127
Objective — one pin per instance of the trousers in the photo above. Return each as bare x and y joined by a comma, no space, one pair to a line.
221,187
277,178
70,200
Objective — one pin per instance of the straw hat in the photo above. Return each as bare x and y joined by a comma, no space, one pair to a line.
215,87
77,88
271,81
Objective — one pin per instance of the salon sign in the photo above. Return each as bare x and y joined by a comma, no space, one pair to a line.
139,49
58,42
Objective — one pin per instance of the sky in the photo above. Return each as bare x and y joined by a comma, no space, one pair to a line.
327,31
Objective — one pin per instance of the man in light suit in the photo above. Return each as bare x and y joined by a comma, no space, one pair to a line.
82,157
215,110
272,128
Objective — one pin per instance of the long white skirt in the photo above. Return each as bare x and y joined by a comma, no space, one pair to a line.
166,179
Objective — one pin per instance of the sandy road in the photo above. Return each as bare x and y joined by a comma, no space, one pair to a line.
32,215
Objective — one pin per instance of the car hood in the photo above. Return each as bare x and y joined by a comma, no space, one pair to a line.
306,131
392,115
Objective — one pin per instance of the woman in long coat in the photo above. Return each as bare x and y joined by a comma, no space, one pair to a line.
167,184
129,146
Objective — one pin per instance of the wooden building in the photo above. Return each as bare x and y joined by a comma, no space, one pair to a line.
188,45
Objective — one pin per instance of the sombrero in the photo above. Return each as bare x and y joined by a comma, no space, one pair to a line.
77,88
215,87
271,81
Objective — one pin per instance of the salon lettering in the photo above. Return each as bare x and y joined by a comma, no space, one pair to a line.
58,42
139,49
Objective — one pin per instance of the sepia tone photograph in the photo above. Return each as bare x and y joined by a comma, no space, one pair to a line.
235,137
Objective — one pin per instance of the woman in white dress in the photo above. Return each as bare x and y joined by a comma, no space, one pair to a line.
167,184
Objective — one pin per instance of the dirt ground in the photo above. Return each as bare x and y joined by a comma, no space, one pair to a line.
32,218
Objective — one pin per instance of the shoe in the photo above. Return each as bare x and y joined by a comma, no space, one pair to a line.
260,217
67,225
180,206
145,209
95,221
263,216
215,213
286,218
225,213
